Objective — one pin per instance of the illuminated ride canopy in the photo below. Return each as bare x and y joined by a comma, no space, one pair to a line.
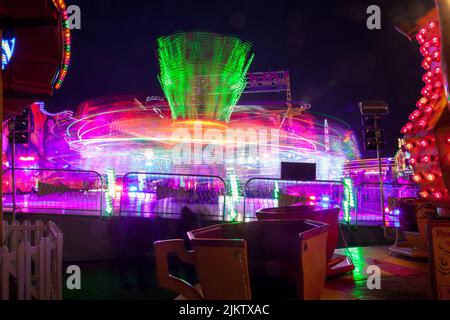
202,74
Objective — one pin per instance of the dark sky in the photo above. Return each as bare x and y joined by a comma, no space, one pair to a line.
334,60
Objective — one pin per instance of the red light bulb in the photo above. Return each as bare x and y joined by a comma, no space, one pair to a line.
435,41
436,56
426,63
426,78
424,51
422,102
417,178
420,39
435,96
437,84
408,127
426,159
424,194
437,71
437,195
424,143
431,177
422,123
432,25
415,115
428,109
413,161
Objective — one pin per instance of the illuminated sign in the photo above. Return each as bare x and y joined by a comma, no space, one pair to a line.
7,51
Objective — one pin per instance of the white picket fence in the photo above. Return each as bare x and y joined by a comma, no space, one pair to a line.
31,261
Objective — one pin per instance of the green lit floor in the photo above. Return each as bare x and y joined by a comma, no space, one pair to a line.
401,278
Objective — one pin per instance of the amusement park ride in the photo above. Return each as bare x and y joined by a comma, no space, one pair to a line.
427,139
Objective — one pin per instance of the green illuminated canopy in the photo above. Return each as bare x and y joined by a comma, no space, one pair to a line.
202,74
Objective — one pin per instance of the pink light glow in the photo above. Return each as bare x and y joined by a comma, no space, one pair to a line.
27,159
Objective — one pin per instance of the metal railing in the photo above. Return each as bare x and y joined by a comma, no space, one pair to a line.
54,191
262,193
165,195
369,203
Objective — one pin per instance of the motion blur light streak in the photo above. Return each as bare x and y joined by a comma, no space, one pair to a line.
203,74
123,135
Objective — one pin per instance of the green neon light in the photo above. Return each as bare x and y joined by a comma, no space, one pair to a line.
349,198
276,191
203,75
111,189
233,198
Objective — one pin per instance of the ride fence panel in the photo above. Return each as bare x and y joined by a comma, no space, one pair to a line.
165,195
369,209
261,193
54,191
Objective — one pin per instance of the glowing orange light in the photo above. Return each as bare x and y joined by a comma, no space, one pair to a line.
201,123
424,194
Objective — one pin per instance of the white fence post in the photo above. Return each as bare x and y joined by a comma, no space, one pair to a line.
32,252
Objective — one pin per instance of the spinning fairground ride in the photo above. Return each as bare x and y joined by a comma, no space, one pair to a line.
199,128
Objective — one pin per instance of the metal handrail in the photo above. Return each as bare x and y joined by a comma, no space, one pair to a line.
66,171
285,180
377,184
178,175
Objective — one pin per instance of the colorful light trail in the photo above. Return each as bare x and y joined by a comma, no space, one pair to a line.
202,74
122,136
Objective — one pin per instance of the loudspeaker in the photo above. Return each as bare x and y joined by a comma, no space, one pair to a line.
298,171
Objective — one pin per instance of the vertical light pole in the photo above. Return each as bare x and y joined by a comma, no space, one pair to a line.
380,173
373,136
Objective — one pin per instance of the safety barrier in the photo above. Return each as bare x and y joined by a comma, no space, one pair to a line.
54,191
369,207
262,193
31,255
165,195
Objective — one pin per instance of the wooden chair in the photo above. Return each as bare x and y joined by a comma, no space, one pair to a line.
245,261
337,264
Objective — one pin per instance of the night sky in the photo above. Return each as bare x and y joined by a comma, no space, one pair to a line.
334,60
